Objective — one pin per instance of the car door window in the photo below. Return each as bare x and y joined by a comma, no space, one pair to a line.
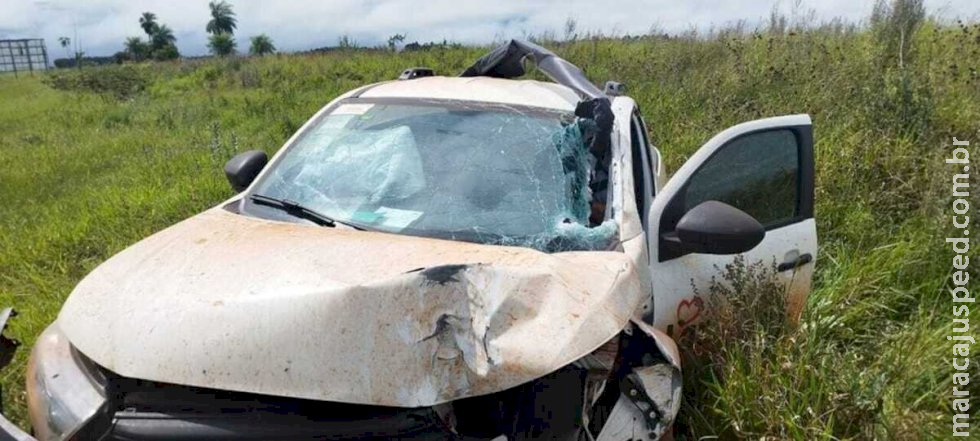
758,173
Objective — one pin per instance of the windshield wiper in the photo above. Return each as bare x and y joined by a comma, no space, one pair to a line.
294,209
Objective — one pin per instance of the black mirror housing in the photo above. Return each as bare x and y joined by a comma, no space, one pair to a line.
242,169
714,227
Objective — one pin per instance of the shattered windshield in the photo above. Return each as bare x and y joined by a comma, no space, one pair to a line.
464,171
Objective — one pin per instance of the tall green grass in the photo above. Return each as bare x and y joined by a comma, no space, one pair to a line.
91,162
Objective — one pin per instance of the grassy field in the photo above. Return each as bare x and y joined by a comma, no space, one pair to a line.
91,162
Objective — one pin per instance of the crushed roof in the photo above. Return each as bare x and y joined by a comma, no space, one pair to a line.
487,89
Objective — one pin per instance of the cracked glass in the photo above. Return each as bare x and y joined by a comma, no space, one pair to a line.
475,172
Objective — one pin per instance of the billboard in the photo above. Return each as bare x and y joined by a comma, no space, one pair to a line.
23,55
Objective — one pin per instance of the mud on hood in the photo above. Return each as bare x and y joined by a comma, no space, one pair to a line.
230,302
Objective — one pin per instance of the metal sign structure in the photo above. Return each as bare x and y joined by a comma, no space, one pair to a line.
23,55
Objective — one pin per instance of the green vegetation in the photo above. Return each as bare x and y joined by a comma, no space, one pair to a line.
91,162
222,44
161,44
261,45
73,60
222,29
222,18
395,40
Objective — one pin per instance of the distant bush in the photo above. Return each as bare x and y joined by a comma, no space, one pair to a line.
65,63
121,82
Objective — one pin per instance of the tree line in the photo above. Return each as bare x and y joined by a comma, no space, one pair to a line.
161,44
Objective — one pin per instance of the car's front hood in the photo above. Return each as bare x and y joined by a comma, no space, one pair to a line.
230,302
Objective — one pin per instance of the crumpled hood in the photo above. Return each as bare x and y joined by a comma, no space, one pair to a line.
231,302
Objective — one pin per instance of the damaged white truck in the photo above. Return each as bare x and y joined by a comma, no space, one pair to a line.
473,257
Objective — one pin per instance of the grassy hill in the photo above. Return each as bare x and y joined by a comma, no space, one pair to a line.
91,162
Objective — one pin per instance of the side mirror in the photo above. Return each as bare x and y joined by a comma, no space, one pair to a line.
242,169
714,227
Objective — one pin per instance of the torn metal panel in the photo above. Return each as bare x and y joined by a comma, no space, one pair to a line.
244,304
658,393
507,61
649,387
628,421
666,346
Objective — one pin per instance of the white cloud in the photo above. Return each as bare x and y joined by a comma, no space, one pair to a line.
102,25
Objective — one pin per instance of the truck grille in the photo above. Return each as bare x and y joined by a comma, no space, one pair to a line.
155,411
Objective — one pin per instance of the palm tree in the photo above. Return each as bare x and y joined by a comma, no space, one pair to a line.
136,48
65,42
163,44
222,18
162,36
261,45
222,44
148,21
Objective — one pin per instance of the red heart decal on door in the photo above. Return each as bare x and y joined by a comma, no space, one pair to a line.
688,311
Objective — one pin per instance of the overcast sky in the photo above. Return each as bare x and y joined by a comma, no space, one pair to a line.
102,25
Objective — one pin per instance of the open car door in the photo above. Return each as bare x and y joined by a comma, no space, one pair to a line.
763,168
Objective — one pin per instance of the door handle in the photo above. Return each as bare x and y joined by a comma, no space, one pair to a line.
799,261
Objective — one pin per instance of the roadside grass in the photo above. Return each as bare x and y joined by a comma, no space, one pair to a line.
91,162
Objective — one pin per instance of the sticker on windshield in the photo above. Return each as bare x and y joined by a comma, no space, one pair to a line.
352,109
395,218
365,217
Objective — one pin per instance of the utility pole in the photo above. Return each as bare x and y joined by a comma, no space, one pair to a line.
78,52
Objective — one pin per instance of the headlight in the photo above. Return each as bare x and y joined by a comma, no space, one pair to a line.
62,392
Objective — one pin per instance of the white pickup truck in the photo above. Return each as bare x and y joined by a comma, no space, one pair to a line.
473,257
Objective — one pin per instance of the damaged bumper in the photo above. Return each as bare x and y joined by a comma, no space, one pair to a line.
628,389
649,391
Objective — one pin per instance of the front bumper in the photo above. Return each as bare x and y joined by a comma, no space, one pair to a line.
72,398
